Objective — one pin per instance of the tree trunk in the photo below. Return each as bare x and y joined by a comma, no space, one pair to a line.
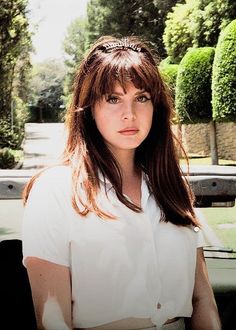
40,113
179,137
213,143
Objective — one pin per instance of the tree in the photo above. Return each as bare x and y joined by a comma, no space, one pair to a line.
47,91
20,89
14,36
75,46
224,76
177,36
122,18
15,44
97,20
164,7
210,18
193,91
196,23
142,18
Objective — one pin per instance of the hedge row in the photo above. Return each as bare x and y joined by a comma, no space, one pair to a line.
224,76
204,83
193,86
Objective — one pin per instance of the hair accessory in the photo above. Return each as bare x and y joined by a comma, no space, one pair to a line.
123,44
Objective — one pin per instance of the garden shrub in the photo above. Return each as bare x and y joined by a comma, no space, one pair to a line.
7,158
10,137
224,76
21,113
169,74
193,86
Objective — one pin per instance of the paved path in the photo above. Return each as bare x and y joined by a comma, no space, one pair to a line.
43,144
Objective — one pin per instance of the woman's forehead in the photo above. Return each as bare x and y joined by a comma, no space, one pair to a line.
128,87
121,84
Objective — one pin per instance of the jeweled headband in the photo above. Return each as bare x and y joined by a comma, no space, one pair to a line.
123,44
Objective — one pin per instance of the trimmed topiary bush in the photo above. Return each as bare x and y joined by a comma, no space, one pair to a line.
169,74
224,76
193,86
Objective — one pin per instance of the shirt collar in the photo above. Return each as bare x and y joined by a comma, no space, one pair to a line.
144,187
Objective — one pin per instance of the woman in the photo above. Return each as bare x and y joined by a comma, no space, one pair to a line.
110,237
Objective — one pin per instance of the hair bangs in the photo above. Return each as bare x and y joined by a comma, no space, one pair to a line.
124,67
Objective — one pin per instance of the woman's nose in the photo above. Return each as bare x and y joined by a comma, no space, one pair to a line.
128,111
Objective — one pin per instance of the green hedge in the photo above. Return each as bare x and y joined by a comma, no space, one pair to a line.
224,76
10,137
7,159
169,74
193,86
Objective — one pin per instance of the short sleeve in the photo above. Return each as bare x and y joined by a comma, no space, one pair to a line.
201,240
45,225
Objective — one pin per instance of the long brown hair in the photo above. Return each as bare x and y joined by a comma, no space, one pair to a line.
111,60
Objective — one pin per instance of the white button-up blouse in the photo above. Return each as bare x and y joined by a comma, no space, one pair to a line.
134,266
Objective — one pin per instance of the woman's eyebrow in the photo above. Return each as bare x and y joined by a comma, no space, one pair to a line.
121,94
141,92
116,93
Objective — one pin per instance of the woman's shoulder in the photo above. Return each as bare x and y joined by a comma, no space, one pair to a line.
58,172
59,175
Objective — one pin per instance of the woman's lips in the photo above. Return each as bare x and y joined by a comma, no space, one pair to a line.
129,131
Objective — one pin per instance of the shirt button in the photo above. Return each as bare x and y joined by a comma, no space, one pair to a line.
158,306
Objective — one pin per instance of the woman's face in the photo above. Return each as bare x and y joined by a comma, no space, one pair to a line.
124,119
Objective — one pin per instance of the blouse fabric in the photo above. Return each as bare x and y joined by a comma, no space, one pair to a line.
134,266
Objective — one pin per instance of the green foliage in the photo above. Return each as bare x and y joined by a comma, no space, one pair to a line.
169,74
224,76
20,113
14,39
98,23
46,86
119,18
7,159
10,137
193,86
210,18
177,35
75,46
22,75
122,18
166,6
196,23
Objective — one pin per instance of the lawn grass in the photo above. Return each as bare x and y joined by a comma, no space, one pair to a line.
206,161
217,216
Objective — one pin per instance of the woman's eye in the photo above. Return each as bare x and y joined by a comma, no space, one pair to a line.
143,98
112,99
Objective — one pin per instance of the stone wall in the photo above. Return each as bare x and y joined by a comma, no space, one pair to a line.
226,140
196,139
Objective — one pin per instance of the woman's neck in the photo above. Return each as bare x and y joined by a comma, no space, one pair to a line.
125,159
131,176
